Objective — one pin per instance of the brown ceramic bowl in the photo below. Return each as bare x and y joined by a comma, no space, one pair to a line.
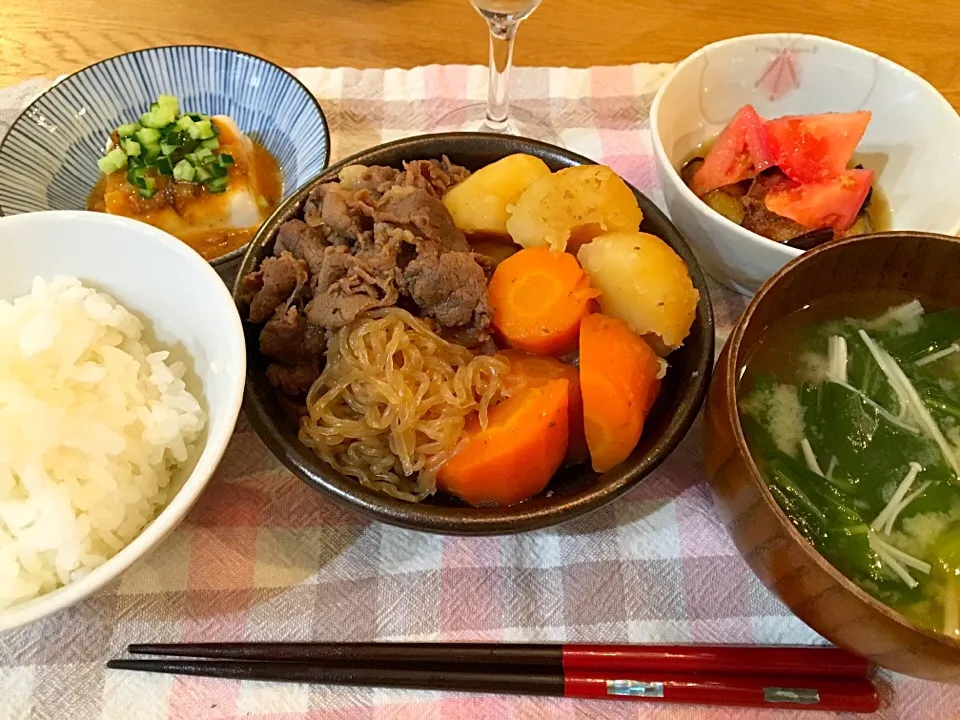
573,491
785,562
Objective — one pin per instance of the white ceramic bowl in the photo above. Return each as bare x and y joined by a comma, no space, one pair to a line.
190,312
912,142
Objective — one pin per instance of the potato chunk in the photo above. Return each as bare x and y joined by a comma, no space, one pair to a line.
643,282
573,205
480,203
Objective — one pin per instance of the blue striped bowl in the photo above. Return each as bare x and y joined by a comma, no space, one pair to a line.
48,159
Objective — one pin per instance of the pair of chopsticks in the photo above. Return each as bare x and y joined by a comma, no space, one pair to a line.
802,678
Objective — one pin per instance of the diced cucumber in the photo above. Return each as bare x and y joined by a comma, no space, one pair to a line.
130,147
151,153
183,170
217,185
169,101
164,142
185,123
159,117
206,129
148,136
128,129
112,161
149,188
164,166
204,156
107,165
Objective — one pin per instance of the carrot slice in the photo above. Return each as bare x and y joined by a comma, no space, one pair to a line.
539,298
618,382
514,458
528,371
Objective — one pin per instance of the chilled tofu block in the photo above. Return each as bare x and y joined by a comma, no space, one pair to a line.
212,220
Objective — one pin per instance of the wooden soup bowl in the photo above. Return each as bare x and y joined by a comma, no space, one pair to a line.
921,263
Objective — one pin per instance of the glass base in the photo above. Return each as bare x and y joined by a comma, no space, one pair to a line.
473,118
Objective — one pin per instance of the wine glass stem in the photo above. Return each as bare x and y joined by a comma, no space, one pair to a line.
502,35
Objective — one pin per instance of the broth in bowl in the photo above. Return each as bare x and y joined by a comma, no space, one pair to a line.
850,408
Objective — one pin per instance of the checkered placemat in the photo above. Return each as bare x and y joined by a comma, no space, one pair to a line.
263,557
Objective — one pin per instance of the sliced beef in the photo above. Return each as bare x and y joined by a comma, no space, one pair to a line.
328,207
375,178
298,347
762,221
377,237
294,379
436,177
350,284
451,288
282,337
303,242
418,211
473,337
278,282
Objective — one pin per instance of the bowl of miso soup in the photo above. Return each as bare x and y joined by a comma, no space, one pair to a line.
833,445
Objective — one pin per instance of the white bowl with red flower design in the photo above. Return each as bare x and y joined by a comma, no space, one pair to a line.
912,142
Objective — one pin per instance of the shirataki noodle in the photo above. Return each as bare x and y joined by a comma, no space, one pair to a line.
392,402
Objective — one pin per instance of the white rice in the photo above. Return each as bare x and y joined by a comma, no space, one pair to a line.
93,422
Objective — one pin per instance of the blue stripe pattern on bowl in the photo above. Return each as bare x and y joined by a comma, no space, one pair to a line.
48,159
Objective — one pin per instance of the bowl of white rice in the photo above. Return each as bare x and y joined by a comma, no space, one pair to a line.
121,378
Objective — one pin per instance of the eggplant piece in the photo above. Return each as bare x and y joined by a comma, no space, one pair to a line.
762,221
738,190
689,169
726,204
866,201
861,225
811,239
772,226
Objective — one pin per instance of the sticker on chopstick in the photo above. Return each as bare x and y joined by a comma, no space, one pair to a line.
800,696
635,688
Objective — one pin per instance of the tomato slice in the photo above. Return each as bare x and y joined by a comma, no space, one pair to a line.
732,157
809,148
833,203
761,149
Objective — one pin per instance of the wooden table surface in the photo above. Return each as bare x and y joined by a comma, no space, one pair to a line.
49,37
